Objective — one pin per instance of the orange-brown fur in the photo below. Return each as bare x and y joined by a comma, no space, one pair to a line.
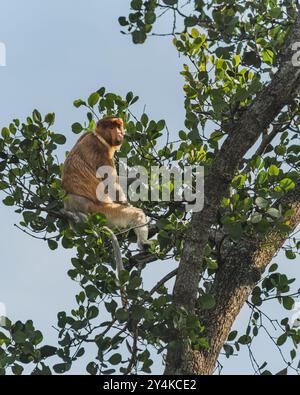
79,173
80,182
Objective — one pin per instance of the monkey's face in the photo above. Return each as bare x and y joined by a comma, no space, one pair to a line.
112,131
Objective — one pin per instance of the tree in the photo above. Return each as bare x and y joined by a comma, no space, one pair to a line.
242,79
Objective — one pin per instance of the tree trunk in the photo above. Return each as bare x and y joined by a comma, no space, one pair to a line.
236,278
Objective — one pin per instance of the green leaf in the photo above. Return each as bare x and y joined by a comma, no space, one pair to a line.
274,212
273,268
287,184
50,118
251,59
17,369
124,276
67,243
256,218
144,120
150,17
170,2
59,139
9,201
109,371
160,125
3,339
266,373
80,352
53,245
134,100
122,315
282,339
182,135
234,229
115,359
129,97
261,202
190,21
268,56
288,302
207,302
224,52
78,103
123,21
38,337
139,37
91,292
111,306
5,133
138,312
19,337
101,91
229,350
212,264
61,367
93,99
77,128
275,12
195,32
92,312
92,368
236,60
232,335
256,299
290,254
282,372
3,185
245,339
293,354
273,171
262,177
134,282
48,351
136,4
36,115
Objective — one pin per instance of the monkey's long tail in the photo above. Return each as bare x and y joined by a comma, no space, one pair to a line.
119,262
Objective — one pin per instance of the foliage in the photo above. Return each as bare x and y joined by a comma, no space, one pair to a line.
232,49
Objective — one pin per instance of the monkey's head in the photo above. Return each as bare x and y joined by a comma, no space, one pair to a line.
112,130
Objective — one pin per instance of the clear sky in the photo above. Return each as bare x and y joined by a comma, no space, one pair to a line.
58,51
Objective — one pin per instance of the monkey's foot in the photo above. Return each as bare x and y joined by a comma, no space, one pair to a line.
145,245
74,217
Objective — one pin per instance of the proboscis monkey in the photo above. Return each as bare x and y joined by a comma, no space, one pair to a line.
91,152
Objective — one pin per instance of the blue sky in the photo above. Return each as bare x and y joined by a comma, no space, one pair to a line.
58,51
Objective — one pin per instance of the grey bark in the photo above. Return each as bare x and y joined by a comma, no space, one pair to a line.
283,88
234,282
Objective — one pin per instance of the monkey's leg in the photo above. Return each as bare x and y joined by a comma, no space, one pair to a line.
121,216
75,208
